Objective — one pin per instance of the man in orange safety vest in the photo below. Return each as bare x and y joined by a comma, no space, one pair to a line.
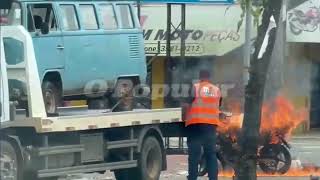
201,121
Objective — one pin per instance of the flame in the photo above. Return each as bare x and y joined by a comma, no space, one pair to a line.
278,117
308,171
229,173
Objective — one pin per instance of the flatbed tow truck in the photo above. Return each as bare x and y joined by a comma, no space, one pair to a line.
131,143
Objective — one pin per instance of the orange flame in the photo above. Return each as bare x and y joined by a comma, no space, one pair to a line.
310,171
229,173
278,116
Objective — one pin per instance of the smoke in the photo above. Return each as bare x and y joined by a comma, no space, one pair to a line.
188,71
290,72
183,74
274,81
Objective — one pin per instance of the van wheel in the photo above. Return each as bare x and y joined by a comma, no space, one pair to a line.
98,103
51,96
142,98
9,162
150,160
123,95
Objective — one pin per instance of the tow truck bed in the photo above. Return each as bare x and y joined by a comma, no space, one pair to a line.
80,118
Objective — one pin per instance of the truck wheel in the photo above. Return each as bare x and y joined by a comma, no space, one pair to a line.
9,162
124,95
150,160
51,96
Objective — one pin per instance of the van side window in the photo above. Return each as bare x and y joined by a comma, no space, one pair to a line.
108,16
69,18
89,19
38,14
126,16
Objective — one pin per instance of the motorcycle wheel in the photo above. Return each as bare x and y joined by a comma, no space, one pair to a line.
274,159
294,29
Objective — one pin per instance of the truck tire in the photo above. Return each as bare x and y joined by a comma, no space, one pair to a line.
150,160
10,162
51,97
149,163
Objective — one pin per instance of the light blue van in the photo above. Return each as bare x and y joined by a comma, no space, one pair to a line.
84,49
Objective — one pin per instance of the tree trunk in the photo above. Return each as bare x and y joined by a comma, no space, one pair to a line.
248,141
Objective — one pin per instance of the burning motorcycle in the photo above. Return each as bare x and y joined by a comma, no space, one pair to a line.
308,21
273,156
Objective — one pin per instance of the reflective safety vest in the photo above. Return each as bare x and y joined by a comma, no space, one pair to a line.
205,106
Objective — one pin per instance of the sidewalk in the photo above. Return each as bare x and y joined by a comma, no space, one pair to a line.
312,134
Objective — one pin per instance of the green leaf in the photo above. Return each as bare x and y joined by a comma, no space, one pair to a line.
256,13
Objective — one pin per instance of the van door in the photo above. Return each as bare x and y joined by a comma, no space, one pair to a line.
49,47
80,35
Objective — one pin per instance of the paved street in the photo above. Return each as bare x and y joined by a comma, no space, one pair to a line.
306,148
305,151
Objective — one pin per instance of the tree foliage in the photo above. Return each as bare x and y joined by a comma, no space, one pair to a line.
256,9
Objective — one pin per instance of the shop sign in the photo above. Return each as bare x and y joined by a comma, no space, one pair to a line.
210,30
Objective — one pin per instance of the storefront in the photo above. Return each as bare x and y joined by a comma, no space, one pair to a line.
303,57
212,43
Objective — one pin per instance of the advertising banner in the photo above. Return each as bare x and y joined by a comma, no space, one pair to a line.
303,22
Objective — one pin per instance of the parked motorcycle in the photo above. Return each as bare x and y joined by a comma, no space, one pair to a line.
300,21
272,157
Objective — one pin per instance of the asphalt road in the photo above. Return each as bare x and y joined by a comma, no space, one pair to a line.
305,150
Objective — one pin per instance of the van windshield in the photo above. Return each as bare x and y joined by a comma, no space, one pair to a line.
11,16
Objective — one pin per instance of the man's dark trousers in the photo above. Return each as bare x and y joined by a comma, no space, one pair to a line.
202,136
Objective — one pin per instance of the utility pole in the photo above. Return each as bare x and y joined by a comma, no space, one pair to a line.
182,55
247,45
183,40
168,74
168,34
